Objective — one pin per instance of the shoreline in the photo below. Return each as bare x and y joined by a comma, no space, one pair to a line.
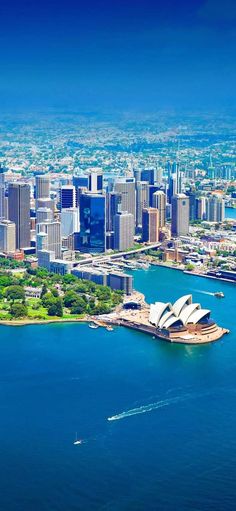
27,322
194,274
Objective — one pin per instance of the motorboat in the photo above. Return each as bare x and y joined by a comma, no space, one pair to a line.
93,325
219,294
77,441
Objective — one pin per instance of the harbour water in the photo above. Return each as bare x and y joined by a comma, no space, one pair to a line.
230,213
170,443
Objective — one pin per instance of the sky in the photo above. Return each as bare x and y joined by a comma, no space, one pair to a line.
141,55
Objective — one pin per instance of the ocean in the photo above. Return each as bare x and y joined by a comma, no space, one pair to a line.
171,443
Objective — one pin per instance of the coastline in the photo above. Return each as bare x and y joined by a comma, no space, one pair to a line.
27,322
194,274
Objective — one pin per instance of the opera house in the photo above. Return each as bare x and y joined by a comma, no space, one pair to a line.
184,321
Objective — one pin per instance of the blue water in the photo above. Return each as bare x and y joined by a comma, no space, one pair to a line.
173,446
230,213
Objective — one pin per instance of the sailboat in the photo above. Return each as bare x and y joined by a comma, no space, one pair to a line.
77,442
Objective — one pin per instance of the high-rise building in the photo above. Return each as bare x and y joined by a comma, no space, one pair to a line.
80,181
19,212
180,215
159,202
142,200
42,187
67,197
215,209
123,230
192,206
201,208
150,225
125,186
113,204
52,240
95,181
159,176
46,203
2,195
92,223
44,215
7,236
69,221
149,175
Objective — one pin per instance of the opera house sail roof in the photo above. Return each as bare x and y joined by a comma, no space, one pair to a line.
183,312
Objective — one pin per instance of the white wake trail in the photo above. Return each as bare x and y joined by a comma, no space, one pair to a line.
150,407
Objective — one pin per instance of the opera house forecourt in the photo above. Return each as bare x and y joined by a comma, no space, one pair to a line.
181,322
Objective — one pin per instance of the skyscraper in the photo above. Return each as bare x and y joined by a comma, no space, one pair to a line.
67,197
69,221
7,236
19,212
159,202
44,215
95,181
42,187
150,225
142,200
2,194
215,209
49,237
92,222
113,204
149,175
180,215
123,230
125,186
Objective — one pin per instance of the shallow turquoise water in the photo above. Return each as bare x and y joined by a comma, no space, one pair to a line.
174,447
230,213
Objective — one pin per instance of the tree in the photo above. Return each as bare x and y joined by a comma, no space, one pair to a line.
56,309
69,278
48,299
15,293
44,290
70,298
18,310
54,292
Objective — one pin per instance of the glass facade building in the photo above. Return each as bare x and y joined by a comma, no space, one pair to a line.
92,223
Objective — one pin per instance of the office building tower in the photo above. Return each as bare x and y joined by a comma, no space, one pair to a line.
42,190
215,209
150,230
46,203
2,194
172,189
7,236
80,181
52,240
142,200
92,223
95,181
149,175
152,190
180,215
201,208
159,176
192,206
69,221
44,215
137,175
159,202
125,186
45,257
19,212
67,197
113,204
123,230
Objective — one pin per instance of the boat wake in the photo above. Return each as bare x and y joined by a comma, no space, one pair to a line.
152,406
204,292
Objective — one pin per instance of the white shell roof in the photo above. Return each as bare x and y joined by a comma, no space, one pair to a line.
187,311
197,315
173,319
179,304
164,318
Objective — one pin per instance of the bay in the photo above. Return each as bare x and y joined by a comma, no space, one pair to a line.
174,445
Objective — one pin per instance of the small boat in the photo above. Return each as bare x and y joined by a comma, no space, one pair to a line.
77,442
109,328
93,325
219,294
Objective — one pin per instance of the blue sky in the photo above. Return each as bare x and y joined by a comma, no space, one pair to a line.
117,54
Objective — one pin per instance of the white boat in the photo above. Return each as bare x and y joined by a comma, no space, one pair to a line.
92,325
77,442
